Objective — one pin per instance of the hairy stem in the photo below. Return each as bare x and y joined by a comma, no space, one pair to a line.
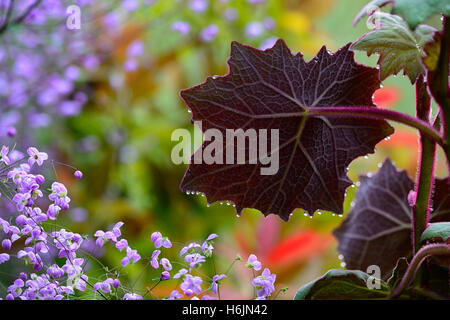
439,88
425,176
421,255
378,114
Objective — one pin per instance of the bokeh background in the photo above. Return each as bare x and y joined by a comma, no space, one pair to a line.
104,99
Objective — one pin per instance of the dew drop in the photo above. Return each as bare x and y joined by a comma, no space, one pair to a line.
319,212
358,184
366,157
343,264
352,204
340,257
379,165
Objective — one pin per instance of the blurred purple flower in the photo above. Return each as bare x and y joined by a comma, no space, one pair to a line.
209,33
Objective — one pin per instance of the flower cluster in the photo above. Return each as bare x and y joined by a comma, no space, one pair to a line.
56,280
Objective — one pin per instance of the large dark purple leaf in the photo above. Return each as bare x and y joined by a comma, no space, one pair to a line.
377,231
267,90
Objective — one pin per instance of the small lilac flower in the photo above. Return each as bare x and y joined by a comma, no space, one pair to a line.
254,29
181,27
194,259
55,271
215,282
36,156
166,264
11,131
207,247
230,14
132,296
191,285
122,244
4,257
180,273
264,283
206,297
209,33
116,283
175,295
165,275
53,211
78,174
6,244
253,263
4,155
190,247
159,240
198,5
104,286
135,49
132,256
154,262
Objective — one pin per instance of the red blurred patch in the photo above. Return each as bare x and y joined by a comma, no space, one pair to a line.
386,97
403,139
298,248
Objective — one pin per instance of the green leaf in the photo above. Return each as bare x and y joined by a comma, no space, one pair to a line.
341,284
399,47
418,11
438,230
432,51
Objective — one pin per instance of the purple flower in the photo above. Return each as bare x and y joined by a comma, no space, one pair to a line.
55,271
116,283
36,156
206,297
122,244
165,275
253,263
166,264
159,240
4,257
78,174
215,282
264,284
180,273
135,49
59,195
104,286
190,247
175,295
198,5
254,29
154,261
191,285
53,211
208,33
4,155
207,247
132,256
6,244
230,14
194,259
132,296
181,27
